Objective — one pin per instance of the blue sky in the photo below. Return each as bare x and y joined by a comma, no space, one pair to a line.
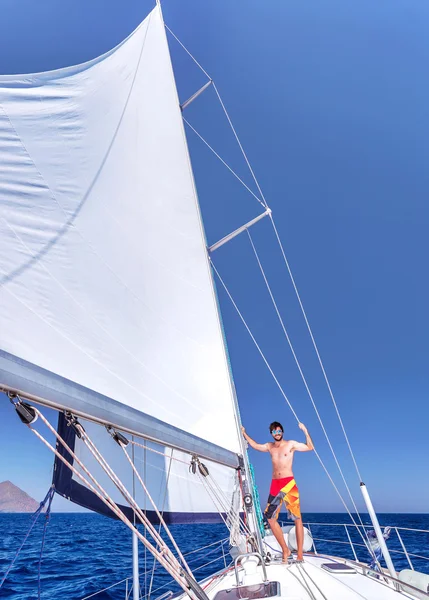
330,100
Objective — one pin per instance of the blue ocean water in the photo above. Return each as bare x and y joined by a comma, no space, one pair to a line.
85,553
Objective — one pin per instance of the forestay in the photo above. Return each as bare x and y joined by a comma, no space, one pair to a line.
106,291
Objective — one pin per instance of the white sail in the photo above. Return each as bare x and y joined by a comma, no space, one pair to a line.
105,281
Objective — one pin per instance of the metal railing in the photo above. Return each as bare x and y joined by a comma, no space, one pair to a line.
403,550
347,536
215,547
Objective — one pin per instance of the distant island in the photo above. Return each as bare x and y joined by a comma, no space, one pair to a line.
15,500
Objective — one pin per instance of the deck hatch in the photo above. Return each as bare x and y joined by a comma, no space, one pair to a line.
250,592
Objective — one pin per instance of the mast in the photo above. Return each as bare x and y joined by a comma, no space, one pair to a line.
250,511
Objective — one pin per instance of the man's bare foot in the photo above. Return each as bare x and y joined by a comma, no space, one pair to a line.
286,555
300,558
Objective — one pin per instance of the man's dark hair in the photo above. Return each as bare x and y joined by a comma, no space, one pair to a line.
276,425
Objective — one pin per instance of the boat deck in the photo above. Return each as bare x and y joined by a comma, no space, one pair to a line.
311,581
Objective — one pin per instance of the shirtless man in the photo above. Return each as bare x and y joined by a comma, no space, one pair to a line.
283,487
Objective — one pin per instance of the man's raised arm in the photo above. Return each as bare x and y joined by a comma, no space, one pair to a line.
299,446
253,444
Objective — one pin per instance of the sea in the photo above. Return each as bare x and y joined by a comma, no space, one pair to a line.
87,556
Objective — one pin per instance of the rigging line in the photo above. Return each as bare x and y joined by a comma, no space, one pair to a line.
240,146
187,51
281,248
223,541
161,520
341,581
304,571
282,391
303,584
105,498
158,452
224,507
35,516
304,314
128,497
291,276
224,502
45,526
213,498
264,202
105,589
145,511
220,491
223,162
261,268
162,512
167,554
254,340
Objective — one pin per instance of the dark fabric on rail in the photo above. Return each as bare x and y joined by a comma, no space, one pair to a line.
78,493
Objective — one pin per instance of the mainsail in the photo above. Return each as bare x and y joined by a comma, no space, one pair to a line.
107,305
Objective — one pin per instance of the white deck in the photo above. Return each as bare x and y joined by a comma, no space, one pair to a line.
309,581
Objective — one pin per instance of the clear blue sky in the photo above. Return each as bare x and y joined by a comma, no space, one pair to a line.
331,102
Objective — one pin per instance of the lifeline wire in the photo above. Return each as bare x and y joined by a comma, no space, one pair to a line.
33,522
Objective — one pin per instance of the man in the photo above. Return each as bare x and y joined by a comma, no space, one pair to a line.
283,487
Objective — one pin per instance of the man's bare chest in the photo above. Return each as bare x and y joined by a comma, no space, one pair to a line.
281,454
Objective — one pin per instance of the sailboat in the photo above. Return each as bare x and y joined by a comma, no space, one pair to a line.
109,315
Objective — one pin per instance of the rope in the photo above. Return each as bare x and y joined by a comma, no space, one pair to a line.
128,497
106,588
172,569
303,583
187,51
45,526
33,522
304,314
160,517
258,510
264,202
223,162
158,452
261,268
303,570
162,512
282,392
240,146
224,501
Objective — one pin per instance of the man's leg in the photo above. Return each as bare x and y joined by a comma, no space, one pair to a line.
278,534
299,529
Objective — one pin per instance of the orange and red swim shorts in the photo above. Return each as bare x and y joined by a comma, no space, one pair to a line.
284,491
